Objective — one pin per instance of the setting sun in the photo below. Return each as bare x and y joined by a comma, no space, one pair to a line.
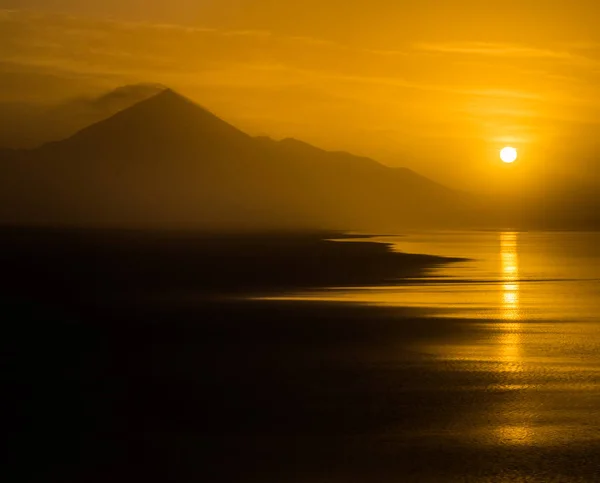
508,155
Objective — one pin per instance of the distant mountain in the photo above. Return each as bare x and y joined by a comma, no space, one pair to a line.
165,161
165,122
28,125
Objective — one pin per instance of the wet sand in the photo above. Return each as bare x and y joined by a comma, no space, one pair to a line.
149,388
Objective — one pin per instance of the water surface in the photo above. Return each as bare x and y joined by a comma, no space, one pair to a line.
528,350
509,275
487,370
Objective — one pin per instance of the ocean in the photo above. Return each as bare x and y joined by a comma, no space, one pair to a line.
511,276
522,359
481,370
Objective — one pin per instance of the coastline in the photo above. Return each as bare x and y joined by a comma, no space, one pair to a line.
56,263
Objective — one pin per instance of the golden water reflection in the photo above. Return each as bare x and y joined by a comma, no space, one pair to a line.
510,275
516,427
510,331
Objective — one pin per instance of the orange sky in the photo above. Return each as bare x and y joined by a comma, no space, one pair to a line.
438,86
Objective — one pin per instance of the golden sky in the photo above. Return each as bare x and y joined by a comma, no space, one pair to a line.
437,86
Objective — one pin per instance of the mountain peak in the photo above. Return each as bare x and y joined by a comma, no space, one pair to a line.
168,93
168,99
165,121
128,95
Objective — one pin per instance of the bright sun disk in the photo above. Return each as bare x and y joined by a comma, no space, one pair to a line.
508,155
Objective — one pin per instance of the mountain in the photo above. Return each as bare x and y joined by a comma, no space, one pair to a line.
167,123
165,161
29,125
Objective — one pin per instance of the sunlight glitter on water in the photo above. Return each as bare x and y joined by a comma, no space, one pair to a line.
529,305
509,276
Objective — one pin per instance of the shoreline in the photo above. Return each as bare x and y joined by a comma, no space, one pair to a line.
54,263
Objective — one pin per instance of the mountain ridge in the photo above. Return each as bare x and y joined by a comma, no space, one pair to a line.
146,122
168,160
26,125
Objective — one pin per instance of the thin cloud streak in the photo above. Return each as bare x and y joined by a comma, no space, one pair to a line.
84,30
505,50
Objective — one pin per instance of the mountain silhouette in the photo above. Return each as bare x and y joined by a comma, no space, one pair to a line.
166,121
166,161
122,97
26,125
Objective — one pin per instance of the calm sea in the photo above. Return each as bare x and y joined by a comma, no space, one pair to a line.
552,276
528,305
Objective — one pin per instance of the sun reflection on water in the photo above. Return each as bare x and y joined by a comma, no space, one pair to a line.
510,275
510,331
517,429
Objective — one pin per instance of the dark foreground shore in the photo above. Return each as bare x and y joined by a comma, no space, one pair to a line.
89,263
109,381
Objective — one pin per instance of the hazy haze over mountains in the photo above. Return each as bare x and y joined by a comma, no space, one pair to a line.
143,155
29,124
167,161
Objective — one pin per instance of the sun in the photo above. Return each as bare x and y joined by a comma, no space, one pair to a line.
508,155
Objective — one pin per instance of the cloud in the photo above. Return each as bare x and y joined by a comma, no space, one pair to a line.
77,43
91,45
564,52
